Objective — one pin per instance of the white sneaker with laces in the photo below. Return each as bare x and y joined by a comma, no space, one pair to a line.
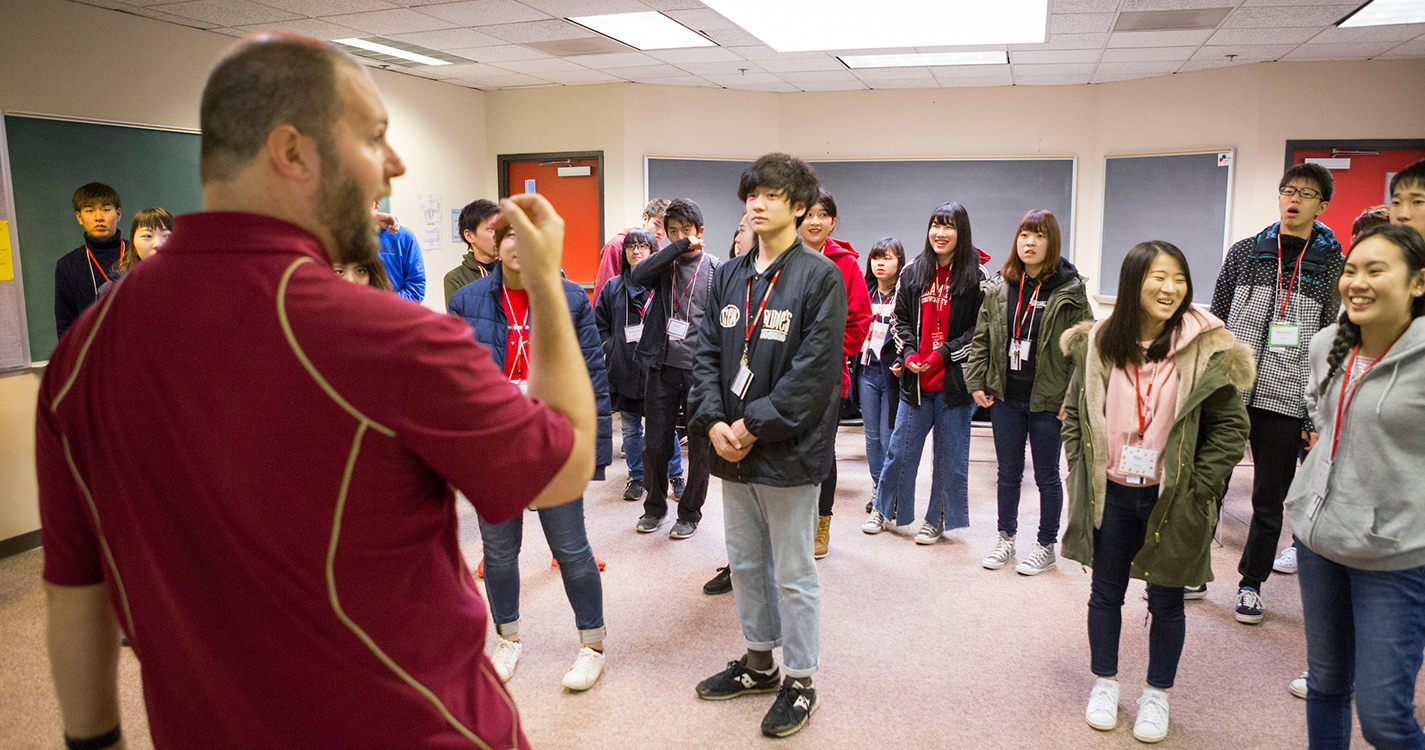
1103,704
506,656
1001,554
1286,561
929,534
1152,722
1298,686
1040,560
586,670
875,523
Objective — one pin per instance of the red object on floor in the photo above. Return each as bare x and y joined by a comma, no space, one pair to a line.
480,569
555,563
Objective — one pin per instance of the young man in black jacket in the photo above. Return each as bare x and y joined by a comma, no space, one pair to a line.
680,276
767,375
81,271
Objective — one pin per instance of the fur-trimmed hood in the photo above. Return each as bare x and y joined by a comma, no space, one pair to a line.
1239,366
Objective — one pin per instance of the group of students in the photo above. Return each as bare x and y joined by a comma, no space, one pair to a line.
1153,406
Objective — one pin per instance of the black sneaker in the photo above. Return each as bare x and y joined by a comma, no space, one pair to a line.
648,523
738,680
677,484
795,704
720,583
633,490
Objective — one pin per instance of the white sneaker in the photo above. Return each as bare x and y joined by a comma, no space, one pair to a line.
1298,686
1001,554
1152,722
506,656
586,670
1040,560
1103,704
1286,561
875,523
929,534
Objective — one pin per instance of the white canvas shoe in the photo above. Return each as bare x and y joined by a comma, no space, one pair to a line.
1102,713
586,670
1152,722
506,656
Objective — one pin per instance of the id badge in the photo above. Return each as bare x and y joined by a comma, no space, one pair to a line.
1321,487
1139,462
524,386
632,334
677,329
1018,353
1284,335
742,380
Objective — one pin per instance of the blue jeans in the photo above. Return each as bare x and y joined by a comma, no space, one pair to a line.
949,506
1013,424
770,533
1378,661
632,426
875,416
1115,543
564,530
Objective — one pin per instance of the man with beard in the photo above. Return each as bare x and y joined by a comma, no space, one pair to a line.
267,510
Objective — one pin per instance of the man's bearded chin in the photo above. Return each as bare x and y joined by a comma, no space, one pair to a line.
347,213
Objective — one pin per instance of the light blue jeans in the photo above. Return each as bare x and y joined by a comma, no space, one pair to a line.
770,533
876,397
949,506
632,426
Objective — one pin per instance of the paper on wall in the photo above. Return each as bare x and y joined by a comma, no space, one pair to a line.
430,222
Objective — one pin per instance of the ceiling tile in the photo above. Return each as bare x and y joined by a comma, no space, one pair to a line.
1192,65
1282,17
579,77
448,39
1064,80
540,67
952,75
824,62
695,54
1136,5
1080,23
874,75
570,8
313,27
1104,77
1159,38
1083,6
819,76
1055,56
1067,41
538,31
616,60
874,51
781,87
1358,51
738,81
387,22
328,7
852,85
730,67
644,72
159,15
230,32
1138,68
967,48
1294,3
676,81
976,81
485,12
228,12
904,83
704,19
500,53
732,37
471,71
1260,36
673,4
1395,33
508,79
1409,49
763,52
1243,52
1070,69
1144,54
110,4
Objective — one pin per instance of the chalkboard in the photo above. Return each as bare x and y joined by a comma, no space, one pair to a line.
890,198
1183,199
48,160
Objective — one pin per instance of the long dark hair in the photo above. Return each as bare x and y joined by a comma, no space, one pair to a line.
1348,334
1117,340
965,260
883,247
635,237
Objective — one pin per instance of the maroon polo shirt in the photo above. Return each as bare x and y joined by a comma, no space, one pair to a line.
257,458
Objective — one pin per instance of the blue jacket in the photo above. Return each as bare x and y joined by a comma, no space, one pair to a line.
479,304
401,255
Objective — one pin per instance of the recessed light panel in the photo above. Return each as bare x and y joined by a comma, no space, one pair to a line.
935,59
1386,12
392,51
645,31
802,25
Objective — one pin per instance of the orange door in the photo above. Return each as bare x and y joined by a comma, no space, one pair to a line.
1360,185
577,199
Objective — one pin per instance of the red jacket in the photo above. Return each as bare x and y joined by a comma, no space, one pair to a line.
609,260
858,304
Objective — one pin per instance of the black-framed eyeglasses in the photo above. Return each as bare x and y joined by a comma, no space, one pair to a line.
1305,193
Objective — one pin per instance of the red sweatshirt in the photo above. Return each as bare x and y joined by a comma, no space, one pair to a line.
858,304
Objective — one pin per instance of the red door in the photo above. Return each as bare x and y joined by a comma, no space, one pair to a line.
575,195
1361,185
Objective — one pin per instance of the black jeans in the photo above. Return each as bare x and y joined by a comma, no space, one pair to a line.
828,487
1115,543
667,390
1276,444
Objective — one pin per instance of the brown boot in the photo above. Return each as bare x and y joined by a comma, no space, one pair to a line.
823,535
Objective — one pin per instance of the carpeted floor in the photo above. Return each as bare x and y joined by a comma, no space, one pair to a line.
921,647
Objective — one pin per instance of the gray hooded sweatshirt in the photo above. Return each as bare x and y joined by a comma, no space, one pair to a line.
1373,517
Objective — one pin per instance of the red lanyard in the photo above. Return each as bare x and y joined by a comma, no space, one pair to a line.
1295,276
751,323
1342,403
521,331
1028,315
687,292
96,262
1145,414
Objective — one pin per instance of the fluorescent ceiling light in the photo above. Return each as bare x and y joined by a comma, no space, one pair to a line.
1385,12
926,58
803,25
644,31
392,51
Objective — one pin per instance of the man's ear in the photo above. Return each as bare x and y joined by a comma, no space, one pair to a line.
291,155
699,233
469,237
78,218
799,209
1324,206
118,214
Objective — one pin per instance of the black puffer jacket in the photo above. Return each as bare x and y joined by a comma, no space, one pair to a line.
791,405
619,306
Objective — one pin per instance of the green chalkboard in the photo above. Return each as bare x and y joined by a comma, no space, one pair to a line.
50,158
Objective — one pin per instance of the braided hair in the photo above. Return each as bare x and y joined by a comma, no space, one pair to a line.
1348,334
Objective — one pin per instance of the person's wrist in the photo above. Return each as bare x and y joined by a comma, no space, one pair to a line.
97,742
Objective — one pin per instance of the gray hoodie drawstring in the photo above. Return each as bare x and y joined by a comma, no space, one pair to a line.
1394,373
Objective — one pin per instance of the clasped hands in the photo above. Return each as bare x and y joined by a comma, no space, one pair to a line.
731,441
